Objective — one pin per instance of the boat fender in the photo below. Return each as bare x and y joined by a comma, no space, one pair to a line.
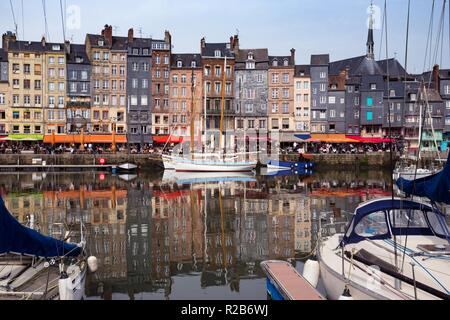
65,287
311,272
92,263
346,295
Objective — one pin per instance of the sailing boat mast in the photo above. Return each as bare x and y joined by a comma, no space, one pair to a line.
192,113
223,102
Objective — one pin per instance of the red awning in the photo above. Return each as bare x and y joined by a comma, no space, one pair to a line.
370,140
167,139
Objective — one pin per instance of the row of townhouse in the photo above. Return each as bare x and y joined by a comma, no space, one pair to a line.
138,87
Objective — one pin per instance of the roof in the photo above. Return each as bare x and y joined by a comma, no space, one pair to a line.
118,43
368,67
433,95
260,57
186,59
78,51
320,59
302,70
351,64
34,46
281,60
3,55
210,48
395,68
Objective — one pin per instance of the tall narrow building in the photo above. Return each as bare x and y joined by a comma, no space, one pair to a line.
139,86
186,87
4,92
78,89
213,62
161,50
281,94
108,56
302,94
251,90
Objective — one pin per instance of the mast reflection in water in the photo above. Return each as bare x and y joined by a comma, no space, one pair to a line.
156,238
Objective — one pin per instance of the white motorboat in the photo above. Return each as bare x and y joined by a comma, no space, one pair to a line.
211,163
411,173
392,249
127,167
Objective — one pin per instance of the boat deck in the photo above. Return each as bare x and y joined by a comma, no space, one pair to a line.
289,283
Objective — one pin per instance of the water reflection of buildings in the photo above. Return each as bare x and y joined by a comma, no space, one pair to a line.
145,234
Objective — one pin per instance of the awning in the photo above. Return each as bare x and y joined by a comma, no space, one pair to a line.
23,137
331,138
78,138
303,136
370,140
167,139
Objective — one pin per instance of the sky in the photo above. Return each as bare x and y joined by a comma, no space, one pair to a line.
310,26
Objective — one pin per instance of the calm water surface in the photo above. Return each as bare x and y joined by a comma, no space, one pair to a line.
180,236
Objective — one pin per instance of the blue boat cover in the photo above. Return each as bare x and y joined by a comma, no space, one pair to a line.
383,205
16,238
435,187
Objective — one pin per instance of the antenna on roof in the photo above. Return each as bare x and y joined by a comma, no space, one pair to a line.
115,28
140,32
237,31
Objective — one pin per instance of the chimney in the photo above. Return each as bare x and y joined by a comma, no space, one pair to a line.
107,33
293,56
43,42
203,43
7,38
436,77
168,38
67,46
130,35
236,43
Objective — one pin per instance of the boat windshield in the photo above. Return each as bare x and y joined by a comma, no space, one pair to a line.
439,225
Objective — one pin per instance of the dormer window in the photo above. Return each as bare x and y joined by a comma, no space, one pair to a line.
101,43
79,60
217,54
286,62
194,64
250,56
275,63
250,65
373,86
135,51
56,47
179,64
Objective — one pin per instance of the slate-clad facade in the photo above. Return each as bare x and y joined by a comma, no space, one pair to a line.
251,89
78,89
139,86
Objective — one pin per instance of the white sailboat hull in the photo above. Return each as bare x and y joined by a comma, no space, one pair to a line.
168,163
219,167
128,167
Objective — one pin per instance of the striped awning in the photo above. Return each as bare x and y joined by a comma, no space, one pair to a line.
78,138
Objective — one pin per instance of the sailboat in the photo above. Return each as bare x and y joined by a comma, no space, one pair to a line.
210,162
34,266
393,248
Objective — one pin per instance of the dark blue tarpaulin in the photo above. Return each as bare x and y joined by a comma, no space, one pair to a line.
15,238
303,136
435,187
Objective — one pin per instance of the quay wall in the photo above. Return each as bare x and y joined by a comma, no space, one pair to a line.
145,161
154,162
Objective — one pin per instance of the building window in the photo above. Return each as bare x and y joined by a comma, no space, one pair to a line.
193,64
249,108
369,115
373,86
331,100
369,101
250,65
217,54
179,64
323,75
275,77
274,93
285,77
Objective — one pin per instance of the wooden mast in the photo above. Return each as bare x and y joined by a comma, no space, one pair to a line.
223,101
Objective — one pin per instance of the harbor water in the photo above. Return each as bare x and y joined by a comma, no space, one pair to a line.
161,235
